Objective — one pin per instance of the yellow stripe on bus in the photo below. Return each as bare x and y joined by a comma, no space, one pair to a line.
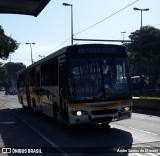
108,105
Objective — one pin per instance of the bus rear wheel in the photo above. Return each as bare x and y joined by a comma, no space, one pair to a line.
22,103
34,108
105,125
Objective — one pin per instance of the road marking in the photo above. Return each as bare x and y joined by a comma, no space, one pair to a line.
7,123
136,154
143,131
117,125
39,133
3,102
152,154
143,154
42,136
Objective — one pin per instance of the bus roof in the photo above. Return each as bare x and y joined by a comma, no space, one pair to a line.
64,50
55,54
21,71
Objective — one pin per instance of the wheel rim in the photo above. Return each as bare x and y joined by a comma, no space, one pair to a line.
58,118
34,109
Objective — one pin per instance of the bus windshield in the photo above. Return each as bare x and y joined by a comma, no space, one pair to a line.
98,79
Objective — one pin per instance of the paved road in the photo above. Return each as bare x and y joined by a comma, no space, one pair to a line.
22,130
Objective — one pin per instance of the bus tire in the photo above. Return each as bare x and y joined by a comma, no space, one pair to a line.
34,108
105,125
22,103
57,115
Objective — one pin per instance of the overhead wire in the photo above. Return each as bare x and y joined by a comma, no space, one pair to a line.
107,17
58,45
95,24
55,47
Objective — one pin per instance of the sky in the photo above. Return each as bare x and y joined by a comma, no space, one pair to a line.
51,29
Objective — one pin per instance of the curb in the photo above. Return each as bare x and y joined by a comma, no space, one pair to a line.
151,107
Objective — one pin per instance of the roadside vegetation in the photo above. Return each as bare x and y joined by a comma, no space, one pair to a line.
148,95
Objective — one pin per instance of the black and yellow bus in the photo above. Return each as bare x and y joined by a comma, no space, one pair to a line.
79,84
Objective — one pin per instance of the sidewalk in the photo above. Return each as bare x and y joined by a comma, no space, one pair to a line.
2,106
144,106
3,122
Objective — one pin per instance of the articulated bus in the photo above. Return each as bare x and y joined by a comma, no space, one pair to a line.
79,84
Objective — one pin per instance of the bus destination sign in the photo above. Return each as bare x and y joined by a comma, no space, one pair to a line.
98,50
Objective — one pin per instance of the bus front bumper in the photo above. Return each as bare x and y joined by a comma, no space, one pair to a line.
86,118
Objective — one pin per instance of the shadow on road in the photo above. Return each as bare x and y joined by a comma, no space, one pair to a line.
96,139
84,139
15,134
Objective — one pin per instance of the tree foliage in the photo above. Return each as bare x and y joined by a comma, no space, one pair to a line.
14,67
2,70
150,51
9,78
7,45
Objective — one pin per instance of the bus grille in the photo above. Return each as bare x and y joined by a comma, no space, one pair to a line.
105,111
104,119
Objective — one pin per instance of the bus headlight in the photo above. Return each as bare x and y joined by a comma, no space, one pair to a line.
79,113
126,108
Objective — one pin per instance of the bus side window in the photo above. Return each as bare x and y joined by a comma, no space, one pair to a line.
32,77
55,72
38,79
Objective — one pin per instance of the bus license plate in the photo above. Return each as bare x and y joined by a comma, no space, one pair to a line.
125,114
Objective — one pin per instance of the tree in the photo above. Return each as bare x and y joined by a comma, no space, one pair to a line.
9,79
7,45
2,70
150,51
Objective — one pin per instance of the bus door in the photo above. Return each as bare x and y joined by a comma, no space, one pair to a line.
27,88
37,76
37,84
63,88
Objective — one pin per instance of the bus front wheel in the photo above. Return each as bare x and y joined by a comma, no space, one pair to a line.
57,115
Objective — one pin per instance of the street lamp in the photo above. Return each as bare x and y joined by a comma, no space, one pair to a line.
41,56
66,4
31,51
137,9
123,34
